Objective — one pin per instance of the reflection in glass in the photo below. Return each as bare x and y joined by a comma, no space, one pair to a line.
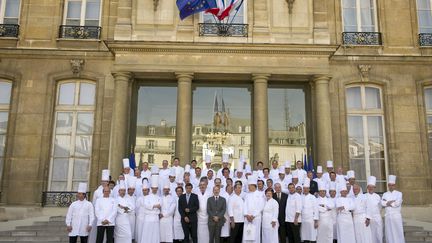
156,121
3,122
221,123
66,94
5,92
62,146
80,171
2,144
64,122
85,123
83,145
353,98
87,94
60,169
372,98
287,124
428,98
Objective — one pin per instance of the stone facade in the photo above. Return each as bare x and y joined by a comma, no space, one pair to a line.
144,42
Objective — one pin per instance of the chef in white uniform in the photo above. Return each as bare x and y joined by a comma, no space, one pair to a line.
131,199
203,195
80,216
98,193
392,202
325,223
253,207
167,214
140,211
270,223
122,230
374,211
345,224
106,211
309,214
177,227
152,205
361,219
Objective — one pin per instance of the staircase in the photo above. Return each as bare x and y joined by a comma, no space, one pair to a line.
54,231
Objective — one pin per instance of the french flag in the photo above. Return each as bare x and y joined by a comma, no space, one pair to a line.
220,6
234,5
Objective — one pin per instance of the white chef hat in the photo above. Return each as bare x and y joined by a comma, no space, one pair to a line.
122,185
126,163
208,159
392,179
295,174
350,174
225,158
154,181
248,169
319,169
306,182
179,179
252,180
282,169
131,182
172,171
166,185
105,175
321,186
371,181
239,166
329,164
155,169
343,187
288,164
82,187
332,186
187,168
145,184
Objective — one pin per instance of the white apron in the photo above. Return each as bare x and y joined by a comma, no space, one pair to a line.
166,222
362,233
139,219
122,229
345,227
178,230
203,232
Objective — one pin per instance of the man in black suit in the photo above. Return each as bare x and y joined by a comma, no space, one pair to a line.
188,207
313,184
216,208
281,198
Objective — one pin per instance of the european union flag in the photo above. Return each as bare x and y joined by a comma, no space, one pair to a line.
189,7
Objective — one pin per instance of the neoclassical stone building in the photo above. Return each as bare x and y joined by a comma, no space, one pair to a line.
85,82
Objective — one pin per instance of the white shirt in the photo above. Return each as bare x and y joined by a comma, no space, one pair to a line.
235,208
146,174
345,202
254,204
80,215
310,208
274,174
395,207
373,205
270,213
325,205
294,205
168,204
360,204
105,209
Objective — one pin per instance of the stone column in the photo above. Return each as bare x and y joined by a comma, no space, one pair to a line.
119,126
260,118
323,119
184,117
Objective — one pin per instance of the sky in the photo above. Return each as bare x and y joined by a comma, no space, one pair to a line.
157,103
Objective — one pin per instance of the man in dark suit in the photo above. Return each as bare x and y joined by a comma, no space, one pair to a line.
281,198
216,207
188,207
313,184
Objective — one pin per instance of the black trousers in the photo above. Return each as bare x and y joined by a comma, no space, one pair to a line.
214,232
236,233
282,232
74,239
190,231
109,234
293,232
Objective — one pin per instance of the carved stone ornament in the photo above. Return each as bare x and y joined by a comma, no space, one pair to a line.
77,65
290,5
364,72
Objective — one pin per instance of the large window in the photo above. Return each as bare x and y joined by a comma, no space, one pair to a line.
428,105
82,12
367,145
156,122
9,11
221,123
424,15
287,123
5,97
359,16
73,135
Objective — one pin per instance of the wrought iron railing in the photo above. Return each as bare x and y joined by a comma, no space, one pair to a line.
425,39
9,30
225,30
362,38
59,199
79,32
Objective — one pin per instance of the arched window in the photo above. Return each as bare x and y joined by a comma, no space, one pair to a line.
5,98
366,136
428,106
72,135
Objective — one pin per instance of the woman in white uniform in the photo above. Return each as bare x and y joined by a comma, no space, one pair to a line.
270,219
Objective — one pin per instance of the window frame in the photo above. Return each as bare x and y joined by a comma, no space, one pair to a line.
6,108
358,15
75,109
3,11
364,113
428,113
83,11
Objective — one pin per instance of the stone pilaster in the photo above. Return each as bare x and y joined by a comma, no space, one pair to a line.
123,27
260,118
323,119
119,126
184,117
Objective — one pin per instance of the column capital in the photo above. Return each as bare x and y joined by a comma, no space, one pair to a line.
321,78
260,77
122,76
184,76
